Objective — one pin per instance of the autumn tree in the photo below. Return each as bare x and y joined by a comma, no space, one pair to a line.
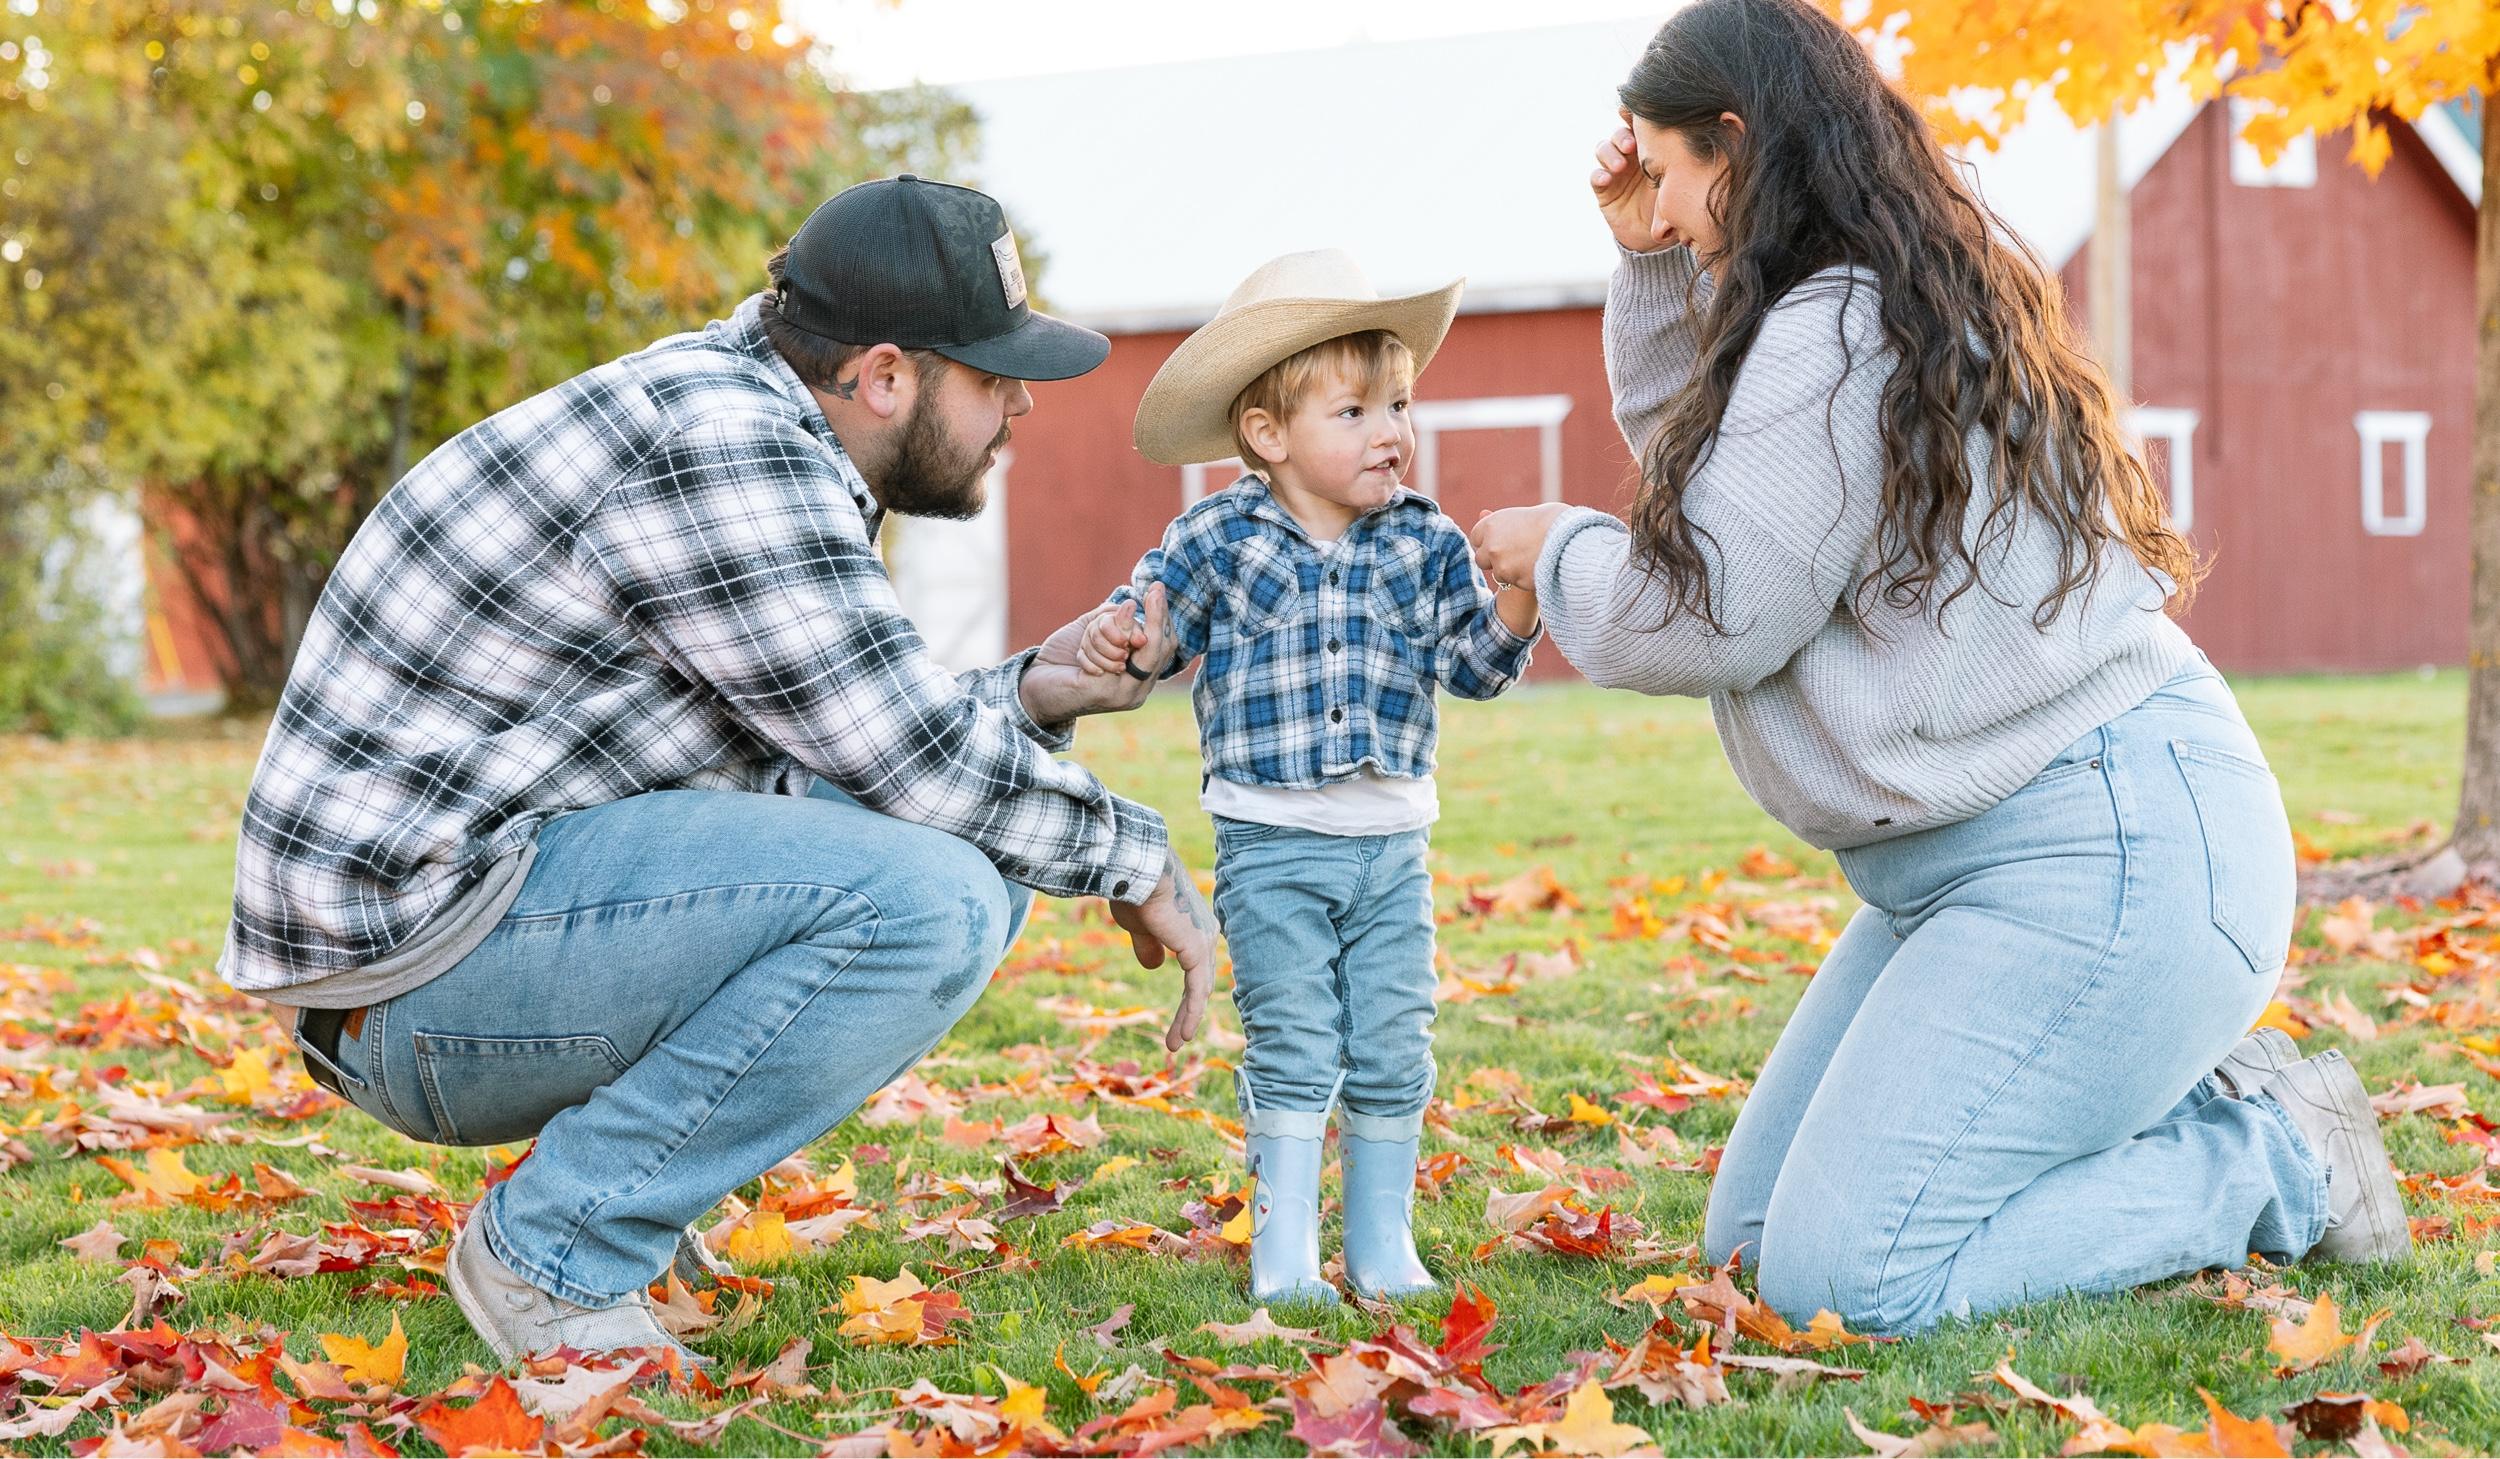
274,253
2350,66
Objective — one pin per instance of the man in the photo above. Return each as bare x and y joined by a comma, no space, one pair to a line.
613,800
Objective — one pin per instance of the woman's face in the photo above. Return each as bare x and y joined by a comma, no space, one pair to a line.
1680,212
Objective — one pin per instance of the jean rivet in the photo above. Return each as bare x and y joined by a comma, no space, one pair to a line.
2096,762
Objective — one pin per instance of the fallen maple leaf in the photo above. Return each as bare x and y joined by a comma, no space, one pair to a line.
2243,1438
1259,1327
163,1175
1934,1439
495,1424
379,1364
414,1182
2304,1344
99,1242
1587,1427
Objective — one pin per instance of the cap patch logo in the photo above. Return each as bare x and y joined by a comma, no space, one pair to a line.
1010,268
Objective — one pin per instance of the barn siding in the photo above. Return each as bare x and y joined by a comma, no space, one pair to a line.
2277,314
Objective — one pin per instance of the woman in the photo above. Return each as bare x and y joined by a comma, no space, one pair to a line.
1889,526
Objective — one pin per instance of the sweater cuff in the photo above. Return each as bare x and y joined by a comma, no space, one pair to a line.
1558,538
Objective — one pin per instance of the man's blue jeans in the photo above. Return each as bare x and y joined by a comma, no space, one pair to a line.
1997,1085
692,985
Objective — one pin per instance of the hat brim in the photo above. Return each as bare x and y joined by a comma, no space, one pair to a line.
1041,348
1186,414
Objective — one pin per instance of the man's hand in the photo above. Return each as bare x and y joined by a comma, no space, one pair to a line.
1175,918
1060,684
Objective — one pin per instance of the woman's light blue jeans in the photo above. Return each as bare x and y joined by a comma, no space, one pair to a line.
692,985
1331,940
1997,1086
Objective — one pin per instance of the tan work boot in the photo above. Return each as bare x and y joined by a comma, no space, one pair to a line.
2365,1212
515,1317
2254,1060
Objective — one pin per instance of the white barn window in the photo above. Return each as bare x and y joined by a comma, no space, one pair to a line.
2408,430
2295,166
2175,428
1543,414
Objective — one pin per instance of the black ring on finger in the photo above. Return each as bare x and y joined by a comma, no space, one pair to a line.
1134,672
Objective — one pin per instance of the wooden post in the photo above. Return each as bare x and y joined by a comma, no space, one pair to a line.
2112,272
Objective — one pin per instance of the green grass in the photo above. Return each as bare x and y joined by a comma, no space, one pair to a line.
137,836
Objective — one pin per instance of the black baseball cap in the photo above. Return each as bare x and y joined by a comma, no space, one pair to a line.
927,266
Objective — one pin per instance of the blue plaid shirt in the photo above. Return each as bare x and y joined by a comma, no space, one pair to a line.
1318,662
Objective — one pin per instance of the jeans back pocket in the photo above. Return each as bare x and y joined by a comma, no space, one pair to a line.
486,1091
2248,850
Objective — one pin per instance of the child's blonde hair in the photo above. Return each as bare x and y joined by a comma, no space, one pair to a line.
1364,359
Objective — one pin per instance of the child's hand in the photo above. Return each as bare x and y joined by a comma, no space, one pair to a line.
1508,542
1110,637
1516,607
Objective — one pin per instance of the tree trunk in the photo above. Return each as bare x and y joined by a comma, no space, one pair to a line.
2477,836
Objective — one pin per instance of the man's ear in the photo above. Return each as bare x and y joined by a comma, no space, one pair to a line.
882,379
1265,434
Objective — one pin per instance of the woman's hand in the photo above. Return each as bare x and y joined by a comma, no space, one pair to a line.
1626,198
1509,542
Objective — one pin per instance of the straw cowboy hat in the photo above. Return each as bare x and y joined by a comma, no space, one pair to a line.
1289,305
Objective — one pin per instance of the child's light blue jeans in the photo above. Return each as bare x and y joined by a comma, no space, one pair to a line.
692,985
1996,1087
1331,940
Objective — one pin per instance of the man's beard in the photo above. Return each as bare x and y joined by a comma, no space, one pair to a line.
932,476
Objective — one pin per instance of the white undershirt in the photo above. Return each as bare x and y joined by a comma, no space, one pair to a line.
1370,804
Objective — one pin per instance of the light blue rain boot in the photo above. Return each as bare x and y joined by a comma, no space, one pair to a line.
1284,1219
1380,1259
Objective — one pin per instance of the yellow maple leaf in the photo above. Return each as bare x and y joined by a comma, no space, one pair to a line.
2307,1343
867,1294
1656,1289
1026,1406
1587,1427
1113,1166
379,1364
1237,1230
247,1078
763,1236
1826,1331
899,1323
1585,1113
164,1175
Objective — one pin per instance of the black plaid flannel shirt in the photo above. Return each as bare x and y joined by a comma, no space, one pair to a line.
661,574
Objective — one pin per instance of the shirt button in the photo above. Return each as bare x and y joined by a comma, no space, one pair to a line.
1332,577
1335,715
1120,888
1334,645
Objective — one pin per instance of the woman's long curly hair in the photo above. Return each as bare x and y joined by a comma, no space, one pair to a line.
1833,166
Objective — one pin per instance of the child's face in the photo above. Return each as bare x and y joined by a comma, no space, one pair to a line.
1343,450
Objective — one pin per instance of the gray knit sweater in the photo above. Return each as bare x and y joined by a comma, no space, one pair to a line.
1848,729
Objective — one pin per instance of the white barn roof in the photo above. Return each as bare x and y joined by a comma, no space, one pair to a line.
1152,190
